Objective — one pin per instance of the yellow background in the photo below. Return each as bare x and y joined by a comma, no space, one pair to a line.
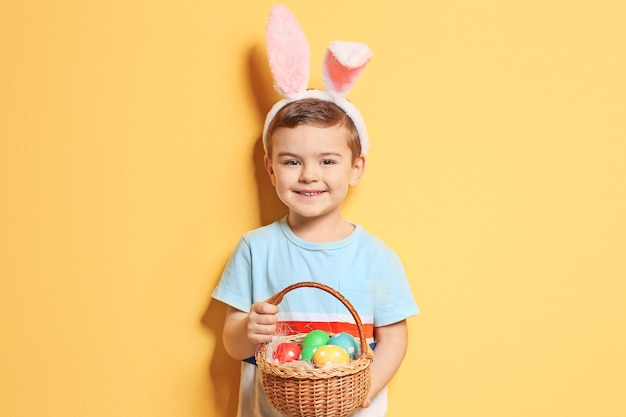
130,166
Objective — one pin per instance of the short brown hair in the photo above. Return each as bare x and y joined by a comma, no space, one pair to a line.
313,111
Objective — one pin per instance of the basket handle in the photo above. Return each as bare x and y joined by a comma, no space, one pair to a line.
278,297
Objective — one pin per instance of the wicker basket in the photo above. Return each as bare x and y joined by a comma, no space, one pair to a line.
319,392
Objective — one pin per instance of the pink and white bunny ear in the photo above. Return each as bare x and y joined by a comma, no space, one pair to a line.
288,51
343,64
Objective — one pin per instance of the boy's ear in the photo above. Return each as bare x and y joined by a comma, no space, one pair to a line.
270,170
357,170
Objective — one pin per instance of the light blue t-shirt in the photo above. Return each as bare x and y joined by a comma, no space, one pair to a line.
360,267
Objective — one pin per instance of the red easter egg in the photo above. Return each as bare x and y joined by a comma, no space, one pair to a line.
287,352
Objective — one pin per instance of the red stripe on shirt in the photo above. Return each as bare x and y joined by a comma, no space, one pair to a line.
288,328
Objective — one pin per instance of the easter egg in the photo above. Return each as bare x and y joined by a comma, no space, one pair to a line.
315,338
330,354
286,352
347,342
307,353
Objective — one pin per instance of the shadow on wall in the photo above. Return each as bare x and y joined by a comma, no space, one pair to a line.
264,96
224,371
270,206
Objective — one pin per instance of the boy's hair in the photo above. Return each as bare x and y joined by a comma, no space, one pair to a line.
316,112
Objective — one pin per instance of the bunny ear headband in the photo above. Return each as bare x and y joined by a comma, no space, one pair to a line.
288,53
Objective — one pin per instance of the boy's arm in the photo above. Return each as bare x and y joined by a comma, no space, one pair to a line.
244,331
391,344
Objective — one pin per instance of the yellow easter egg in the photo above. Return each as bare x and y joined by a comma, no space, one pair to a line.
330,354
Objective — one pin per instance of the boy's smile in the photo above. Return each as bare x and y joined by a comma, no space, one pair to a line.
312,169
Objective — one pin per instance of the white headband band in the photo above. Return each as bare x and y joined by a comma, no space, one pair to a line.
289,59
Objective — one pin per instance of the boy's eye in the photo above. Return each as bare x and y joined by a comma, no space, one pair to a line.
327,162
291,162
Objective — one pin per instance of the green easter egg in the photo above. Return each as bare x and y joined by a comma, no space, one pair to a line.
315,338
307,353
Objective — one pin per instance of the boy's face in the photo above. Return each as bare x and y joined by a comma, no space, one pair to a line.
312,169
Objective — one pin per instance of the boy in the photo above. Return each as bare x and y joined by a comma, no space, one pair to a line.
313,157
315,143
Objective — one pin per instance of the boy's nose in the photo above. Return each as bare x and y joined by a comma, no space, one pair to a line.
308,174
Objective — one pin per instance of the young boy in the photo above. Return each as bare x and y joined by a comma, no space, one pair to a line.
313,158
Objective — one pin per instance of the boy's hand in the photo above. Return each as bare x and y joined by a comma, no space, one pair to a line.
366,402
261,322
